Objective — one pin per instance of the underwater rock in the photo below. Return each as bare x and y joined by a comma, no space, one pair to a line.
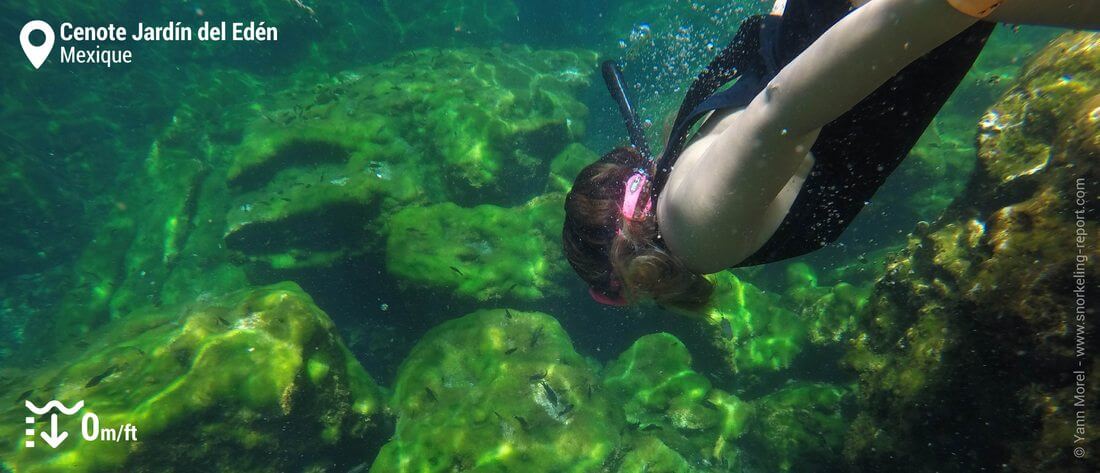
253,381
647,454
756,334
161,242
682,419
481,253
662,396
799,428
323,165
567,165
967,348
499,390
830,312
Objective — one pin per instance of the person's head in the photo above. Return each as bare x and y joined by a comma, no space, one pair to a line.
616,251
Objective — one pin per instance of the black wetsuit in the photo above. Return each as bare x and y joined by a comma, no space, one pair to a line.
855,153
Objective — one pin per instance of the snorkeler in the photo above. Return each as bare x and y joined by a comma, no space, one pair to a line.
830,96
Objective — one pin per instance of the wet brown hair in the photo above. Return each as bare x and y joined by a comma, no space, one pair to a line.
605,258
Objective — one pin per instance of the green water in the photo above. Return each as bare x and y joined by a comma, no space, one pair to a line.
339,250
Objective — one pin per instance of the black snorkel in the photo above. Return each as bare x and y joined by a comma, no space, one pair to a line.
613,77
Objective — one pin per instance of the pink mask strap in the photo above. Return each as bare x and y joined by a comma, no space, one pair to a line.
617,301
631,193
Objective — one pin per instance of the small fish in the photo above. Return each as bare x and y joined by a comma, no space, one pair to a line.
537,376
535,336
499,417
26,395
99,377
550,394
513,286
727,329
457,271
522,422
223,321
567,409
510,351
507,314
431,394
284,199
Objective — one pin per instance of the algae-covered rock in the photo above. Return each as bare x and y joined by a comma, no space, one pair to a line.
499,390
161,242
649,455
253,381
752,329
829,312
663,396
482,253
567,165
323,165
966,350
798,428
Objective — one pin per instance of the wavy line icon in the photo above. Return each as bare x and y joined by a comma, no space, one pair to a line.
52,404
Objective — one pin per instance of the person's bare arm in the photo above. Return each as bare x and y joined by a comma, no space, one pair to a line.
714,200
748,164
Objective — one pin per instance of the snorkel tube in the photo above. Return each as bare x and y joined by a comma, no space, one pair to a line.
631,207
613,77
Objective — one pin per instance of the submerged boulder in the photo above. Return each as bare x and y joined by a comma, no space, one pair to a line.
799,428
253,381
499,390
753,330
678,421
966,353
325,163
663,397
481,253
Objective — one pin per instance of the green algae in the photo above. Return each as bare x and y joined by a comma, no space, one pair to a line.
971,297
481,253
662,395
339,156
755,332
649,455
161,242
798,428
499,390
209,384
316,168
567,165
502,111
830,312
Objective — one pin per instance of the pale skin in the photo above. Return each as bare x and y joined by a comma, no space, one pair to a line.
736,181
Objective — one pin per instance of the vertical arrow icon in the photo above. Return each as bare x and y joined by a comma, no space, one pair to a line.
52,437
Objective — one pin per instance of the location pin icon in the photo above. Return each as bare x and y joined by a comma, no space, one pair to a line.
36,54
